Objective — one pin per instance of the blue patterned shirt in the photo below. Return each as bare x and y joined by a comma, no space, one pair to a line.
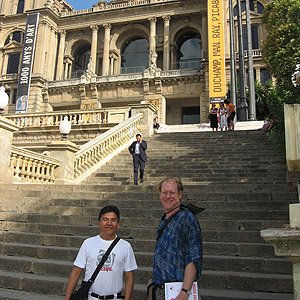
179,245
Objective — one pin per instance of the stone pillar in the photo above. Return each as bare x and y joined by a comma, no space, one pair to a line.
66,70
94,46
204,35
166,59
105,63
61,52
152,46
7,129
112,65
64,151
146,124
292,136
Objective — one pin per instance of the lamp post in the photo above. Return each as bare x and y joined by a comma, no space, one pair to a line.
3,99
64,128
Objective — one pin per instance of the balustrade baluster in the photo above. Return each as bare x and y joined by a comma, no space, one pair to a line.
28,176
47,175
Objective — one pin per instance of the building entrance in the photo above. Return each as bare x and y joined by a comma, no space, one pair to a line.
191,115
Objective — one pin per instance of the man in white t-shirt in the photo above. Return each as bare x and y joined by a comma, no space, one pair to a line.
109,282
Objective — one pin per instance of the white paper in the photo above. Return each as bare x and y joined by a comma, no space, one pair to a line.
172,290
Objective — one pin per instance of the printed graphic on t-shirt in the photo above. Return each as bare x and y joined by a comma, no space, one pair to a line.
108,265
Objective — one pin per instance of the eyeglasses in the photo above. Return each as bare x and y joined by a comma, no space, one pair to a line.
165,194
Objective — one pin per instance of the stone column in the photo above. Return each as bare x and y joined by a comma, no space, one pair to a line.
94,46
105,63
166,59
204,35
112,60
7,129
61,52
64,151
152,46
66,70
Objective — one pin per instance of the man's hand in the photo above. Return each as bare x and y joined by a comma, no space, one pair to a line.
182,296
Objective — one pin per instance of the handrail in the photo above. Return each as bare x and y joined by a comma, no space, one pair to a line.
77,117
29,166
96,150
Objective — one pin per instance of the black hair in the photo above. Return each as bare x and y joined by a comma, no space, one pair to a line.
138,135
108,209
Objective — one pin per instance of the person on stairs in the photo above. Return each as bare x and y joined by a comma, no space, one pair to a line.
138,151
108,283
178,250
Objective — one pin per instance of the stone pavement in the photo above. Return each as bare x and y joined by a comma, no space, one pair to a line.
247,125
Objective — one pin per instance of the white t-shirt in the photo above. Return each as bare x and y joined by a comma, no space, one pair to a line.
110,279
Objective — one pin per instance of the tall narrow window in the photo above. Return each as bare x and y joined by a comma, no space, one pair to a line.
13,63
254,35
20,8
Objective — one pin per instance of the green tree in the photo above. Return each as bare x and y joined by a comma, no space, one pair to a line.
281,53
281,49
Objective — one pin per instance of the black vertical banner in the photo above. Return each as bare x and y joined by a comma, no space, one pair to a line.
26,63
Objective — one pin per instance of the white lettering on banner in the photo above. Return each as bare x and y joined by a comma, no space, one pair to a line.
24,75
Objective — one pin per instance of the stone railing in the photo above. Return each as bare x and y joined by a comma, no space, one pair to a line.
79,117
110,6
89,156
255,53
32,167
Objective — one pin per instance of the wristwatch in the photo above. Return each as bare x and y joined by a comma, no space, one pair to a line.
186,291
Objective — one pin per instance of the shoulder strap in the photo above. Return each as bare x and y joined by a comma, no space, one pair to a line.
104,258
192,208
167,223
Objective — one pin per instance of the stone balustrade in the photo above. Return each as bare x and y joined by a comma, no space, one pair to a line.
90,154
111,6
66,162
31,167
77,117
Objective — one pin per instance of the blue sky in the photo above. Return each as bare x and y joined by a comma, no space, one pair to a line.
83,4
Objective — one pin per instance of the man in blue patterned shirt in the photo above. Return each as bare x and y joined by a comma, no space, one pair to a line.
178,251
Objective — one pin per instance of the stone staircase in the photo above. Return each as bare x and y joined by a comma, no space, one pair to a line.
236,176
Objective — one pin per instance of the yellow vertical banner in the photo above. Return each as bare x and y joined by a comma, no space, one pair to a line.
217,85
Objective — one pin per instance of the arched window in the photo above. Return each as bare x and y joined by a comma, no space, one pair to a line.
81,60
135,55
260,8
20,8
243,7
14,58
189,51
15,36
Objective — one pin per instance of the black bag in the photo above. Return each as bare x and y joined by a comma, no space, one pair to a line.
82,292
209,116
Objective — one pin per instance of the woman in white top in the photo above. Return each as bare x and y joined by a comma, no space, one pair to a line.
223,116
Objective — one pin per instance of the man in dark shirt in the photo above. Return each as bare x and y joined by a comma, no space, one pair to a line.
137,150
178,251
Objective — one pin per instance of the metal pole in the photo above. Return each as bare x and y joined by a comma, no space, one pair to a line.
233,74
251,86
242,109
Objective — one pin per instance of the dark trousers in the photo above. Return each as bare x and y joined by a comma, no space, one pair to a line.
137,161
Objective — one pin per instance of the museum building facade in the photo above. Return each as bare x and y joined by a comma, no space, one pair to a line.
120,53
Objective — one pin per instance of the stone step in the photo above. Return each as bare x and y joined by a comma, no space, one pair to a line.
8,294
244,281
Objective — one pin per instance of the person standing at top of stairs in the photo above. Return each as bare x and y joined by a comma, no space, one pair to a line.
138,151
